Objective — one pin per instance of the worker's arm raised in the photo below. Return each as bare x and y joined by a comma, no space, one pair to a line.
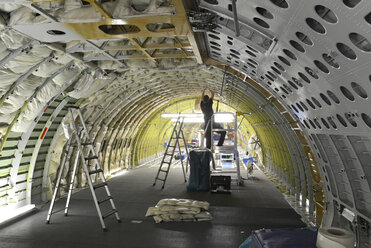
202,96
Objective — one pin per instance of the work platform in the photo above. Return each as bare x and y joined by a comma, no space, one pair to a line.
254,205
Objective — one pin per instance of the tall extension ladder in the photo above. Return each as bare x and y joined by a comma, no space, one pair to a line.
79,137
170,150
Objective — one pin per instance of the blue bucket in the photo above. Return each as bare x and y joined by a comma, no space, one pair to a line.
245,160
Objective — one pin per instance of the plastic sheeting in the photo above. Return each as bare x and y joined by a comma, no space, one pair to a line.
110,65
21,93
24,15
124,8
7,79
90,84
8,7
24,61
43,96
13,39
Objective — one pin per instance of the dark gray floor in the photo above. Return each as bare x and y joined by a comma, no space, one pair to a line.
257,204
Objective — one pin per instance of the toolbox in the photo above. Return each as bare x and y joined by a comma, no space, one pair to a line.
220,183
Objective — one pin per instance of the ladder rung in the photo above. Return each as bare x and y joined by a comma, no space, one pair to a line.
164,171
99,185
160,179
113,211
57,211
107,199
165,162
171,146
91,158
95,171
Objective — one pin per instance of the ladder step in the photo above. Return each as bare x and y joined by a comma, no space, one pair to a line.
91,158
107,199
99,185
164,171
113,211
95,171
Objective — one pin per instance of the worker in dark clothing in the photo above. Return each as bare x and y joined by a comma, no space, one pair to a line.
207,109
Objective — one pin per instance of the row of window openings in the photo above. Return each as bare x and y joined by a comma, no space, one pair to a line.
127,143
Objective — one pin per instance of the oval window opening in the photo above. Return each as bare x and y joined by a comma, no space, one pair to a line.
321,66
325,99
359,90
326,14
119,29
264,12
351,3
304,38
346,51
330,60
280,3
213,2
315,25
285,61
55,32
289,54
360,42
366,119
347,93
159,27
325,123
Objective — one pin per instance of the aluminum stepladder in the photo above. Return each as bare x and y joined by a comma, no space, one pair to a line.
176,135
227,149
82,140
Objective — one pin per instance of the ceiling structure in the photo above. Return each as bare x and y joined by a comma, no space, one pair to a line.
297,70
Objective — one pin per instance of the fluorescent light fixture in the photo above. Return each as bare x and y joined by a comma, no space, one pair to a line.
8,213
223,117
190,120
190,115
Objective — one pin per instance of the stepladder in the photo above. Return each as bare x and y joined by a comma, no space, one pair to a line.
175,141
80,140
